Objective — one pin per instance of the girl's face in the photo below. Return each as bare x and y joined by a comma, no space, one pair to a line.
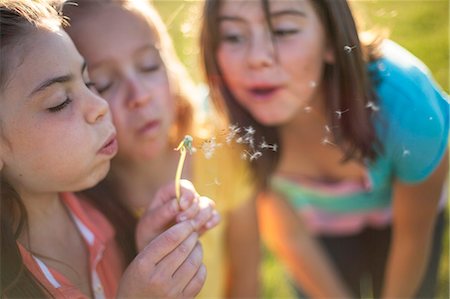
125,65
272,75
56,134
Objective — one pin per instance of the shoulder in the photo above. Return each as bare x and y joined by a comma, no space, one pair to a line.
414,113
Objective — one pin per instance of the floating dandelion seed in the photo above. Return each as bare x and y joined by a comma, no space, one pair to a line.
381,67
372,106
308,109
215,182
247,138
406,152
348,49
209,147
251,156
430,118
313,84
326,141
250,130
244,156
327,129
265,145
339,113
233,131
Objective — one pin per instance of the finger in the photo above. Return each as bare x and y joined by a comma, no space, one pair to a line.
195,285
188,194
167,242
172,261
205,212
190,212
212,222
189,267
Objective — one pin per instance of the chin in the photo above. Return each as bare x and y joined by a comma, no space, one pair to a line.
97,175
270,120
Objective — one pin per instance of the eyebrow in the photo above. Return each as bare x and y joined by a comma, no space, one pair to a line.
287,12
274,14
60,79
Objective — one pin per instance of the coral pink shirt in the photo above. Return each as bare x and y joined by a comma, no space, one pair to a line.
105,259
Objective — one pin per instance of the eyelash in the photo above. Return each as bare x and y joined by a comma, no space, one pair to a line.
67,101
150,69
284,32
60,106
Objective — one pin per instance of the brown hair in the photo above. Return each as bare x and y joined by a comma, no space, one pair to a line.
18,20
347,84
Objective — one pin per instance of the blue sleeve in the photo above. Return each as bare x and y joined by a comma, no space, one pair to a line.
416,115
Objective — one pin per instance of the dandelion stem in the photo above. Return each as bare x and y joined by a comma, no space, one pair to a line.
185,144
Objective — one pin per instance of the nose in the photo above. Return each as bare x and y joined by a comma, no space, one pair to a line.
97,108
261,51
137,92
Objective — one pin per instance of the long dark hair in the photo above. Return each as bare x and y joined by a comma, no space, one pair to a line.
347,83
18,19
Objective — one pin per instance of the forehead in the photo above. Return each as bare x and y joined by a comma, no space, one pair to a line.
43,54
111,31
244,7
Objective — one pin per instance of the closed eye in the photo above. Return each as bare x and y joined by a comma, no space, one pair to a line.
60,106
149,69
285,32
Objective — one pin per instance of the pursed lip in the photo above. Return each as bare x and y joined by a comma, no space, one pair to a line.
109,147
148,126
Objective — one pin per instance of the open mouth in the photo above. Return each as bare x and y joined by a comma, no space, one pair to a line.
263,92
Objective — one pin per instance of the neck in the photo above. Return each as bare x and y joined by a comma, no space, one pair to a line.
45,213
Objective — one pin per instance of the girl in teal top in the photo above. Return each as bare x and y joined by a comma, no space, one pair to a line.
362,130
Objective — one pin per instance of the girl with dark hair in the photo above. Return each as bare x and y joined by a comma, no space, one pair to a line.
57,137
358,189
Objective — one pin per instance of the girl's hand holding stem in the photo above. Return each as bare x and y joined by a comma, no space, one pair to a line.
165,210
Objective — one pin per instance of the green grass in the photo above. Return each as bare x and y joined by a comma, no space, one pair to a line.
420,26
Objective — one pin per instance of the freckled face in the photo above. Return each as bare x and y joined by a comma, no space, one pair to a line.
272,74
53,127
126,67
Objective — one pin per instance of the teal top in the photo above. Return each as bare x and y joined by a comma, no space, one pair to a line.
412,124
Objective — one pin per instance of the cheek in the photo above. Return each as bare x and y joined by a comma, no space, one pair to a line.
228,63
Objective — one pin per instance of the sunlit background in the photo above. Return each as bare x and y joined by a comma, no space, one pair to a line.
420,26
